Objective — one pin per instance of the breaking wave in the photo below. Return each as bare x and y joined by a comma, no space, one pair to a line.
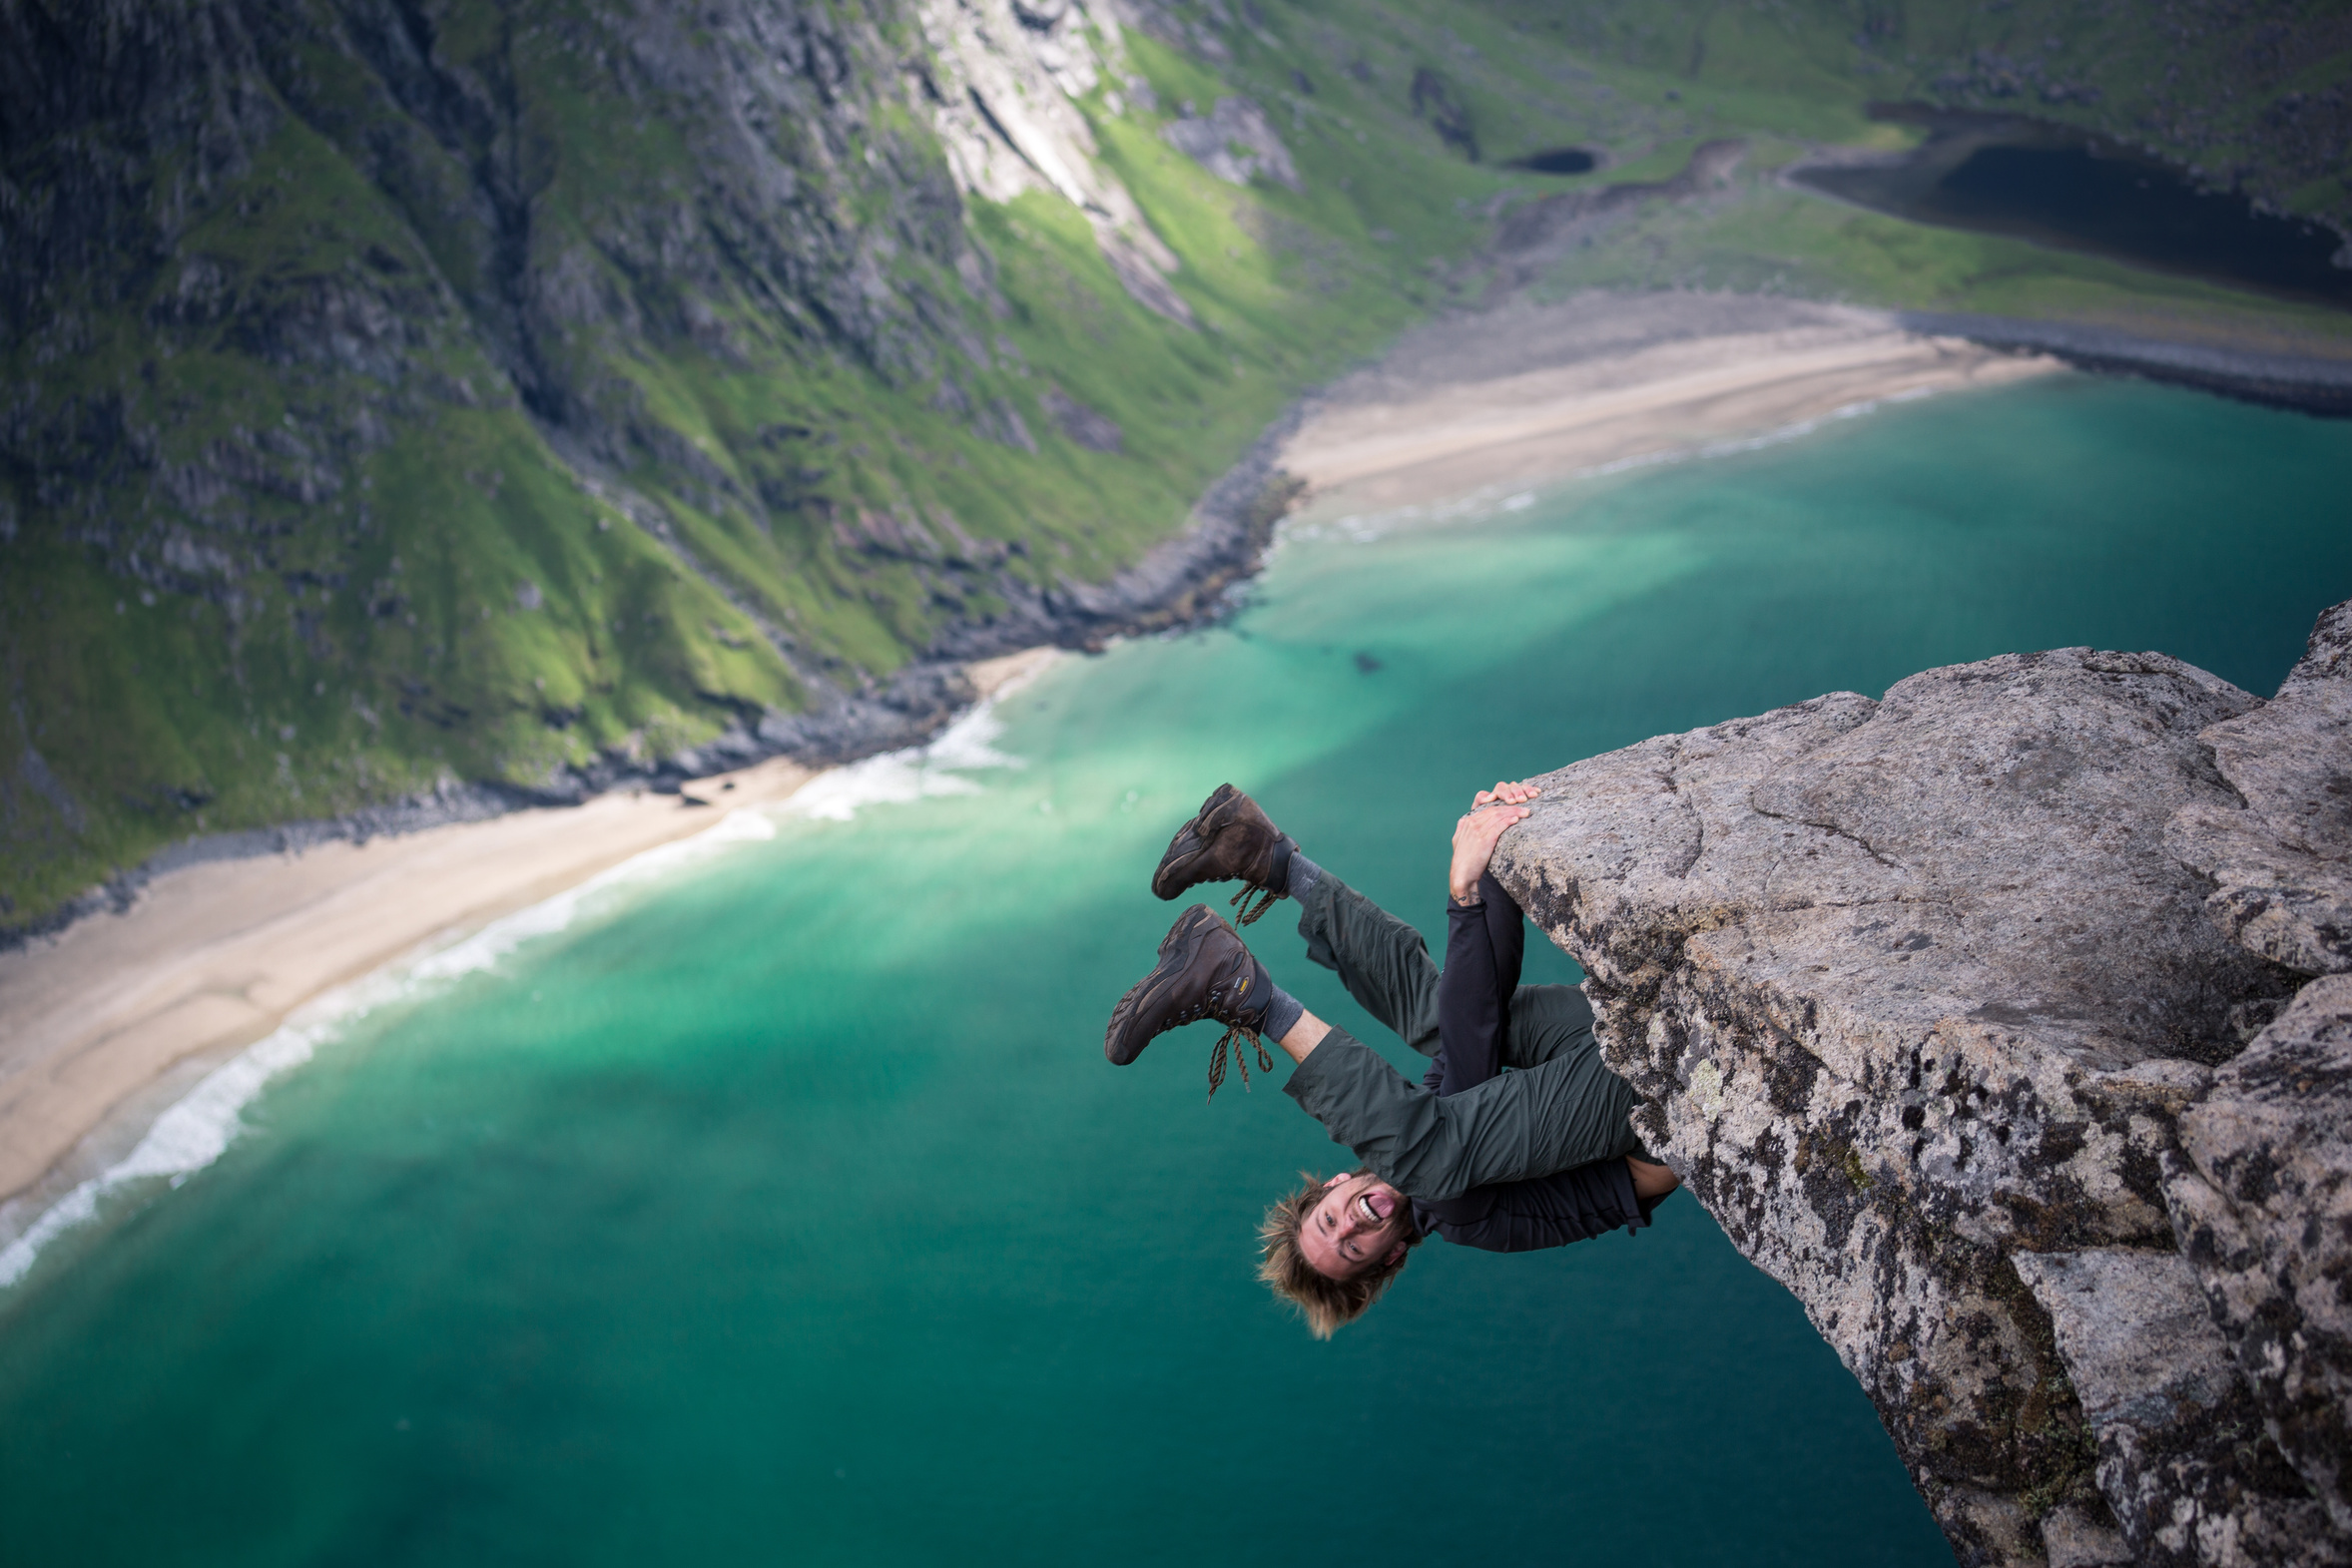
199,1128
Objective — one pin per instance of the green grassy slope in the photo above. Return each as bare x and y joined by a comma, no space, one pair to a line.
548,388
469,416
1791,78
2250,97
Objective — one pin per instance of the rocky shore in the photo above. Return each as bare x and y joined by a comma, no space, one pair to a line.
2007,1022
2313,383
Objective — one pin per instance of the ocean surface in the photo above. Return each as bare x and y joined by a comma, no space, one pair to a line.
773,1203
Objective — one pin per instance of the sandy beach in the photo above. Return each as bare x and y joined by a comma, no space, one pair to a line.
105,1026
1534,393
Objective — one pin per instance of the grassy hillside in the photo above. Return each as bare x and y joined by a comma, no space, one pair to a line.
2255,97
493,402
519,394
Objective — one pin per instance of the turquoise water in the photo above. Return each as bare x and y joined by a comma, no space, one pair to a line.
785,1211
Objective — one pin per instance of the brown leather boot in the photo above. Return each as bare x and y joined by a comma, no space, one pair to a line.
1227,838
1204,972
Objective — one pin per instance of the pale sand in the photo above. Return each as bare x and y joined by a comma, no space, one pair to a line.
119,1009
1536,394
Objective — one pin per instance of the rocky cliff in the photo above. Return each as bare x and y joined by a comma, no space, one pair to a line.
2006,1020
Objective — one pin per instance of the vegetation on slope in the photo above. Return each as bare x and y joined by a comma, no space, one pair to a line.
395,394
403,396
2248,97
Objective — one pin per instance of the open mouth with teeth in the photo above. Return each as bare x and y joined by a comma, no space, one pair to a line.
1374,1205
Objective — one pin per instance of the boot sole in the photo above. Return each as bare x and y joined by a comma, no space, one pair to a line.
1178,949
1188,844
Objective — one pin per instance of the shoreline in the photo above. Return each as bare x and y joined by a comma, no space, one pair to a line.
112,1020
113,1023
1528,395
2315,384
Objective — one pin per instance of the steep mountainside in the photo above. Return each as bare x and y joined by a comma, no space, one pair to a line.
408,408
414,397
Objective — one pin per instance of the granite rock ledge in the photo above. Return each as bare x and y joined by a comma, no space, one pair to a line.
2006,1021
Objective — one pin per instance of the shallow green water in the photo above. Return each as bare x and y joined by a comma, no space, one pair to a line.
785,1211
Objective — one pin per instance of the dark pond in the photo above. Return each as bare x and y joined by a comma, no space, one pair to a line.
2060,187
1557,161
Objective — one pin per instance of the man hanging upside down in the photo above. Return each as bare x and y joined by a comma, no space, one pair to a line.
1540,1156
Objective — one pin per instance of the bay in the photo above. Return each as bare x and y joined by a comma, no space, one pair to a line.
782,1209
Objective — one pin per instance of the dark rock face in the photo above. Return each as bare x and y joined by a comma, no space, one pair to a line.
2156,1381
2261,1185
2261,1188
1934,1021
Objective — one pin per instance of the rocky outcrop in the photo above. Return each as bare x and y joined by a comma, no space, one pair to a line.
1234,142
999,86
1937,1009
2261,1184
2283,864
1534,236
2314,383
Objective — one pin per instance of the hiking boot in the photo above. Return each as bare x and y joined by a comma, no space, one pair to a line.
1204,972
1228,838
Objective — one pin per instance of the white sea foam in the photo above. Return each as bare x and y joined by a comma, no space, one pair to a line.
200,1127
896,777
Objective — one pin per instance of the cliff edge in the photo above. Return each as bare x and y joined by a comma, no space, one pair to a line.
2007,1022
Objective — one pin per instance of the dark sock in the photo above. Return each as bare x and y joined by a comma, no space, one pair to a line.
1280,1014
1300,878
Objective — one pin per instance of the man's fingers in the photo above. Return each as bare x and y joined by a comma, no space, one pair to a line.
1506,792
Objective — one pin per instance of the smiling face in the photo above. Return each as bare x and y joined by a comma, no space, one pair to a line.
1359,1222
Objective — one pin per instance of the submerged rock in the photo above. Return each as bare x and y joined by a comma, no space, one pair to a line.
1932,1017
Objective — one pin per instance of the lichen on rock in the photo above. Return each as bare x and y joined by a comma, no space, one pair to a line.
1932,1017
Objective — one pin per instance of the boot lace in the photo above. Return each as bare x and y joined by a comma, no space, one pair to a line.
1217,1006
1248,916
1231,1041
